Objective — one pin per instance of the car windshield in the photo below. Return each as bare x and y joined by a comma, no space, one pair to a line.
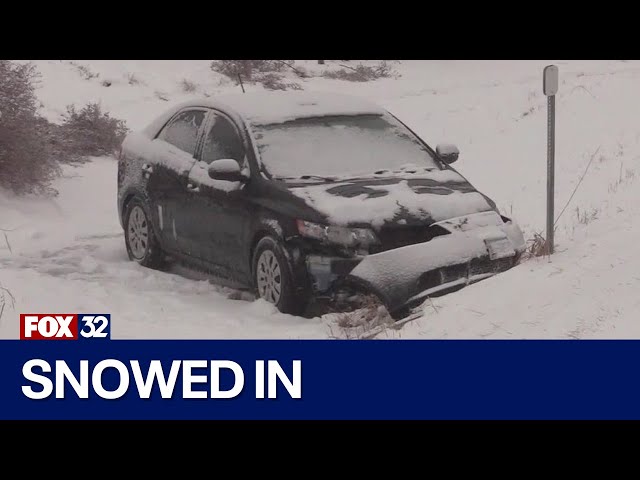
339,146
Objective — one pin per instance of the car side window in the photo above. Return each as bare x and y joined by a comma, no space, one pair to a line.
222,141
182,130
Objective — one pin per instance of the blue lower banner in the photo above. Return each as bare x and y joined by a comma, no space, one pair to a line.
297,379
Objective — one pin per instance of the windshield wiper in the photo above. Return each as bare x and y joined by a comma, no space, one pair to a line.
318,177
310,177
405,169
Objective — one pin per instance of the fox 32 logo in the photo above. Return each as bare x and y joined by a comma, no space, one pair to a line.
65,326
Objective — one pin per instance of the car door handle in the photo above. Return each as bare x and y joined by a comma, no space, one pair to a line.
146,168
193,188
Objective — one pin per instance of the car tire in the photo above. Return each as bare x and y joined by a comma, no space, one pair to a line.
273,278
140,238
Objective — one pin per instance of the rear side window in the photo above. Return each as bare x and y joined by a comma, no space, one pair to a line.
182,130
222,141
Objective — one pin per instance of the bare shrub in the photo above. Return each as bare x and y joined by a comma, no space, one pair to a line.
58,145
536,247
274,81
188,86
84,71
628,177
362,73
161,96
25,165
246,68
268,73
6,297
132,79
31,147
593,156
92,132
528,112
6,241
356,324
585,217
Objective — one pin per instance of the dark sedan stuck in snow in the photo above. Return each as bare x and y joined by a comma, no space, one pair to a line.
302,196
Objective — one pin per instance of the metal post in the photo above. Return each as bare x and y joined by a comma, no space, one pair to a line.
551,151
550,88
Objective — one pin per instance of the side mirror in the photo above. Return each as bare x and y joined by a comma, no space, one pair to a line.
226,169
447,152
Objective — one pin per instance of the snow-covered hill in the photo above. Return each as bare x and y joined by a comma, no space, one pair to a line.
67,254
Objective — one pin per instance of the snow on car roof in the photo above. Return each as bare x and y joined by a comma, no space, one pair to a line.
263,108
277,107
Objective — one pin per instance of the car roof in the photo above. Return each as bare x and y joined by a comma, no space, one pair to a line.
269,107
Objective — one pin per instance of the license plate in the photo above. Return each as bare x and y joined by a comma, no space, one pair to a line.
499,248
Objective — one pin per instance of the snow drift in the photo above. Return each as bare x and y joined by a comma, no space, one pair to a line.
67,254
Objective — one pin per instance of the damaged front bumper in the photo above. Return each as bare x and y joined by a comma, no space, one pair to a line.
477,247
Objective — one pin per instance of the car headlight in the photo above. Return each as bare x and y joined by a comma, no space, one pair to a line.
348,237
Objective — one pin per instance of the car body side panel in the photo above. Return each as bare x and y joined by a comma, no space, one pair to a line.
219,222
158,171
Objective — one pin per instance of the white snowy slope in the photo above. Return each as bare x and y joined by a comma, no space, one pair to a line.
67,254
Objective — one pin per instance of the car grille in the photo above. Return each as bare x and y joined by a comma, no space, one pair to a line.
402,236
477,266
485,265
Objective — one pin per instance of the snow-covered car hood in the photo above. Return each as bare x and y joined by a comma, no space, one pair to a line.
379,200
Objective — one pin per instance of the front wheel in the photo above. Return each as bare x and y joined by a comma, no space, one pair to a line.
273,278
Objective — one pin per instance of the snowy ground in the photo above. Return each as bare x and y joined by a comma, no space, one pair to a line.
67,254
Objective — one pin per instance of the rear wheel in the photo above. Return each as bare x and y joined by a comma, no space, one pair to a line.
273,278
140,239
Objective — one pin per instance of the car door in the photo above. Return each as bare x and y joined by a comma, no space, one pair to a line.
174,151
222,207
